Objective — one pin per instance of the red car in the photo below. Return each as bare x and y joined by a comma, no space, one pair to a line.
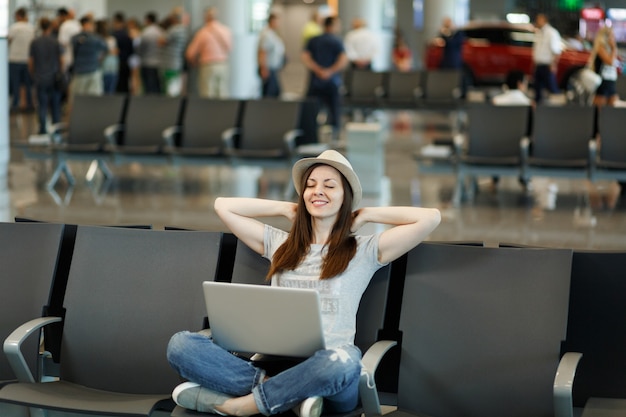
491,50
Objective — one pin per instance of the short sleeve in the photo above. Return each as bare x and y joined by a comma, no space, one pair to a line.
272,240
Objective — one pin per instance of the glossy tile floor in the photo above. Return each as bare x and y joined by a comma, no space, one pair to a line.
162,195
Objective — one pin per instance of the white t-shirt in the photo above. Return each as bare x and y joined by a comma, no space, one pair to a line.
67,30
273,45
339,296
361,44
21,34
547,45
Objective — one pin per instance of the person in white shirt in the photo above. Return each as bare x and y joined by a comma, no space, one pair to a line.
149,53
515,94
361,45
270,58
546,52
67,29
21,33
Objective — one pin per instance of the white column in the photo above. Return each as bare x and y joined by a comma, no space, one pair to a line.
5,149
5,152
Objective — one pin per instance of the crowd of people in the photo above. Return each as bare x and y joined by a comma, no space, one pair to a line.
64,56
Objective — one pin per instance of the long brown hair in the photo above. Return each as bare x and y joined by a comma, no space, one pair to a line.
341,246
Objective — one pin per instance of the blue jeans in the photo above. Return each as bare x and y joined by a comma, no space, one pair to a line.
328,95
271,85
150,80
19,76
332,374
544,78
109,82
48,97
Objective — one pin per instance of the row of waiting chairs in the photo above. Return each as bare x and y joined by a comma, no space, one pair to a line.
191,130
403,90
552,141
479,329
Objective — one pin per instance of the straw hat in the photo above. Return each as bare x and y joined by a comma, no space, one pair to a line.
335,160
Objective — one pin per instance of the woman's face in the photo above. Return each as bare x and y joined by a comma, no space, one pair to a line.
323,194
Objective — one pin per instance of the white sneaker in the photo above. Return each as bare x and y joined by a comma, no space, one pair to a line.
311,407
192,396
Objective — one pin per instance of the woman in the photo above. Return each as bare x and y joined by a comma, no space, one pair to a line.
322,252
605,62
401,54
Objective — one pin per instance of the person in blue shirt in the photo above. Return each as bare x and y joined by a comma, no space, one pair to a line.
325,57
452,42
88,49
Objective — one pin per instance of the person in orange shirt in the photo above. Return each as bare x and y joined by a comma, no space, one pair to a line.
209,50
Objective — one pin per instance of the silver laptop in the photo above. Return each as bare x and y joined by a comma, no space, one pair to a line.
264,319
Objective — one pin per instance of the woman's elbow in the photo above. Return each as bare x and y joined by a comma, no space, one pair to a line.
220,205
434,218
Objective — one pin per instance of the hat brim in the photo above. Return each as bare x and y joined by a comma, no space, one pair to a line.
300,167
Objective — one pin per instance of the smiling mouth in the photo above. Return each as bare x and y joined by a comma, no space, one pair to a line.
318,203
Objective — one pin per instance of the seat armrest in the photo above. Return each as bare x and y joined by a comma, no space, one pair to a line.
290,138
563,383
13,343
110,133
169,135
367,385
228,137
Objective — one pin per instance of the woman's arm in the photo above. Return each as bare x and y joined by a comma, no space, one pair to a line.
606,57
239,215
411,226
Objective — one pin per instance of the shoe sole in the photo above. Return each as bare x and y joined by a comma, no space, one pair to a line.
314,409
182,387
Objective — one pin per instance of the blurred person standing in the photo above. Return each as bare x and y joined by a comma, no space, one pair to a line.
325,57
312,28
45,63
134,62
361,45
546,52
172,44
209,50
68,28
401,55
451,40
20,35
270,57
110,63
148,51
125,48
88,49
604,194
604,60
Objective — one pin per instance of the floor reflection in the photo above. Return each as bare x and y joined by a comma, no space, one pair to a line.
165,195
